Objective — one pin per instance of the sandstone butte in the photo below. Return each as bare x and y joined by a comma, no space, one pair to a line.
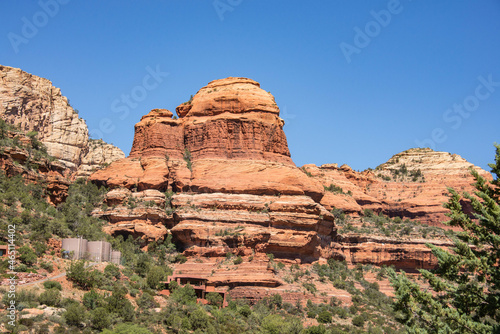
33,104
220,179
226,160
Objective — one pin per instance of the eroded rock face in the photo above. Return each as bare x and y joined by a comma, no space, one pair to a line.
379,251
19,161
33,104
231,118
230,185
227,160
412,184
287,226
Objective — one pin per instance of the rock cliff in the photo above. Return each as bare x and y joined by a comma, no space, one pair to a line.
228,175
18,157
34,104
412,184
220,179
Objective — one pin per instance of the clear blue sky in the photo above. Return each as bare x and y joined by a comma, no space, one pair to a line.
399,87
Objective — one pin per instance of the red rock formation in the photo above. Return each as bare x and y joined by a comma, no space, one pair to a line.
227,154
412,184
227,119
232,186
403,254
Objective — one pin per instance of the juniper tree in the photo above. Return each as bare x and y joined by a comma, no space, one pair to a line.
464,292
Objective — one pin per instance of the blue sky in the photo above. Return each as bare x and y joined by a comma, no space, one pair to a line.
356,81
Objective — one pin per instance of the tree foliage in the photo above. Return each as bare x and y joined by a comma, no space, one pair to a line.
127,329
465,296
27,255
50,297
81,276
155,275
75,314
214,298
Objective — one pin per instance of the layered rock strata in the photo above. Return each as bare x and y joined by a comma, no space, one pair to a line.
220,179
33,104
380,251
227,169
412,184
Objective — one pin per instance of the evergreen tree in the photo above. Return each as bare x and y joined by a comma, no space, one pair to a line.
464,295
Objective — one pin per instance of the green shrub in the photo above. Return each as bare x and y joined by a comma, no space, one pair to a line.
179,258
185,295
21,268
309,287
173,285
334,189
320,329
134,292
99,318
358,321
155,276
187,157
81,276
112,270
27,255
50,297
117,303
245,311
146,302
23,298
52,284
40,248
199,319
238,260
276,301
75,315
47,266
127,329
143,264
274,323
92,299
324,317
214,298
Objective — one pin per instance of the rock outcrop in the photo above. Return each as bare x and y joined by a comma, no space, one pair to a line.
220,179
226,168
379,251
34,104
34,168
412,184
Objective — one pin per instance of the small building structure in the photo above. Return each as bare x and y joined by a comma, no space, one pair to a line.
96,251
201,286
74,248
99,251
116,257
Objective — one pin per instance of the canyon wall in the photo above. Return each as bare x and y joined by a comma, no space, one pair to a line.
33,104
